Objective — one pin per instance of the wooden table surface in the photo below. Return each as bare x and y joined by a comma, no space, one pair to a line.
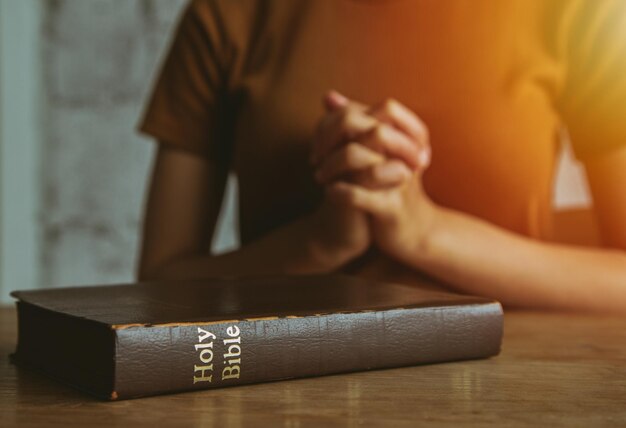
554,370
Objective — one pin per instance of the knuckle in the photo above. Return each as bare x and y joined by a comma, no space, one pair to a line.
351,154
342,194
351,197
344,118
390,105
377,173
348,121
379,131
353,200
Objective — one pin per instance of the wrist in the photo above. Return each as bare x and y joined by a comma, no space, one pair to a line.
322,254
431,249
423,234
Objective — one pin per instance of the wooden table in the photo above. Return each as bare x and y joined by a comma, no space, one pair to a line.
554,370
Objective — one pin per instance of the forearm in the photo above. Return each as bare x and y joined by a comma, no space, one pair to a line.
477,257
288,250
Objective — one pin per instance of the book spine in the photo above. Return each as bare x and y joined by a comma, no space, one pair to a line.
158,359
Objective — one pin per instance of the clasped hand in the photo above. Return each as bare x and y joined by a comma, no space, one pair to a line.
370,160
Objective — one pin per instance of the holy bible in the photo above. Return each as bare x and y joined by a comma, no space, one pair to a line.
127,341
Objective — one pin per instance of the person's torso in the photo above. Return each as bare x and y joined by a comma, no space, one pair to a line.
479,73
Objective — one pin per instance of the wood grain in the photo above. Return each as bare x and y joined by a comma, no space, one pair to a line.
554,370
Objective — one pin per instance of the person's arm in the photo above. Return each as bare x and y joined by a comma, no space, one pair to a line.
180,217
477,257
184,202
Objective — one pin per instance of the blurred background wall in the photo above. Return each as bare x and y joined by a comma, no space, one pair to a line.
74,75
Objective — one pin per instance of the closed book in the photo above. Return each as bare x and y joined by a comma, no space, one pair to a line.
134,340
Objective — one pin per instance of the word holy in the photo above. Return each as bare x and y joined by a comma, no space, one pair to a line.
232,358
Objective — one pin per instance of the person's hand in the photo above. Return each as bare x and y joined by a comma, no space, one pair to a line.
378,171
340,231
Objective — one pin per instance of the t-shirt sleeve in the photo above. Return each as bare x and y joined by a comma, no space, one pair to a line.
183,109
593,101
